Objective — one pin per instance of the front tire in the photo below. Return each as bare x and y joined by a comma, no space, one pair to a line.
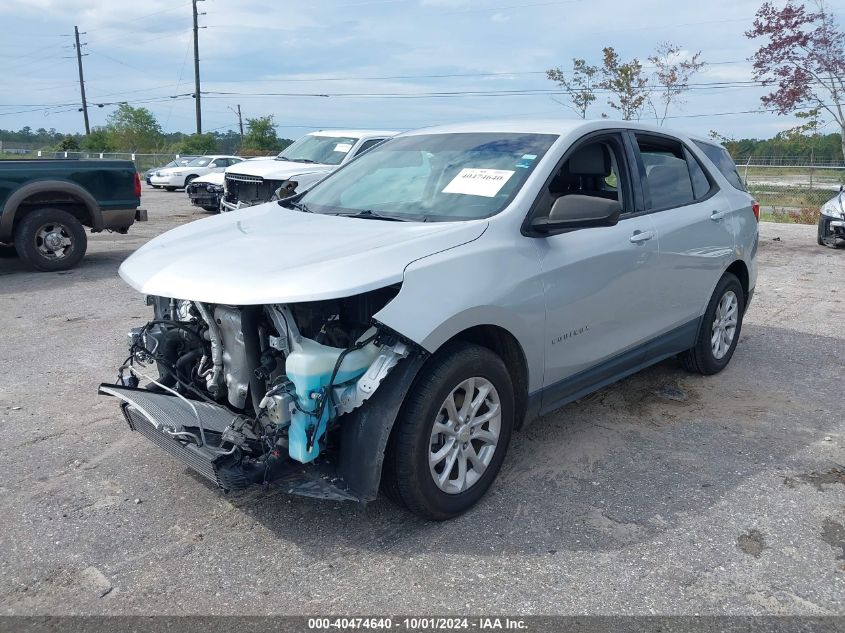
452,434
720,329
189,180
170,188
50,240
821,232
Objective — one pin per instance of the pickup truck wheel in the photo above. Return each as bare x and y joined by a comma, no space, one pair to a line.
452,434
720,329
50,240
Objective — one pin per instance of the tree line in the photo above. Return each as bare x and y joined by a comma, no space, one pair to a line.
137,130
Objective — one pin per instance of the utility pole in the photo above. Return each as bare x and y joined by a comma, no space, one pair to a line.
197,67
82,79
240,121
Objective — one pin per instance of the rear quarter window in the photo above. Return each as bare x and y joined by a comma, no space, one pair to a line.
724,163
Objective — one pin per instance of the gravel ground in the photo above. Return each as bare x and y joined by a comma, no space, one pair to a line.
666,493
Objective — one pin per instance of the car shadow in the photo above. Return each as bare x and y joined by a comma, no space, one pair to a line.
611,470
16,276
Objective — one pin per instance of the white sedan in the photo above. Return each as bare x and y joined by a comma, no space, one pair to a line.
179,177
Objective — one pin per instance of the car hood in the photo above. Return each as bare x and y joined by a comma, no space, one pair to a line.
214,178
273,169
268,254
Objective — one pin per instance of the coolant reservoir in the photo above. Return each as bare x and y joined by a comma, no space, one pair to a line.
309,367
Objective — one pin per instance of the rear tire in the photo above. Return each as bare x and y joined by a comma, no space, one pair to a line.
170,188
212,209
50,240
720,329
471,440
821,232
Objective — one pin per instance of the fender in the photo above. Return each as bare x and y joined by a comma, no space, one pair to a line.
13,202
366,430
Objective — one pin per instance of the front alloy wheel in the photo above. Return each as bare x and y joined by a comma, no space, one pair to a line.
465,435
452,433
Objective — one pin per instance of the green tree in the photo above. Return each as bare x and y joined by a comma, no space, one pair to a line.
626,82
579,88
99,140
197,144
261,134
672,72
134,129
68,144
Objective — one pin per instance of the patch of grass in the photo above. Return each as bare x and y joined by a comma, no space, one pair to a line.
790,216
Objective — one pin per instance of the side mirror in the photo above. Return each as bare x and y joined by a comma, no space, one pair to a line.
578,212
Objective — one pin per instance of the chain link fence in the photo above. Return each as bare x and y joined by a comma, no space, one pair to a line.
789,189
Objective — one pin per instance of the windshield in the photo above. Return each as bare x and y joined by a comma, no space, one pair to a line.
202,161
434,177
326,150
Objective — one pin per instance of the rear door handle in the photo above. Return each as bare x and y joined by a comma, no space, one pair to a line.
718,215
641,236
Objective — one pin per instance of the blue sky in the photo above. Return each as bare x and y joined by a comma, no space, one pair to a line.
142,52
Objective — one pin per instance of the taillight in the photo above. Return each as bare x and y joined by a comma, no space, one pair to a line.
137,185
755,207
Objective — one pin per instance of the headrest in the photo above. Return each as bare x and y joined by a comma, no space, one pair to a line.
664,175
592,160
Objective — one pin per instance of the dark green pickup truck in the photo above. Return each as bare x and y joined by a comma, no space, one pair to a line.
45,205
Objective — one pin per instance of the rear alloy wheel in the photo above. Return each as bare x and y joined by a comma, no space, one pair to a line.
51,240
451,437
720,329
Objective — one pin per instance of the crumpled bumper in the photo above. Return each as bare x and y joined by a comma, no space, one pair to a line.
173,424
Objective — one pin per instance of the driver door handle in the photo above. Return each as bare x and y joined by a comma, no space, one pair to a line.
641,236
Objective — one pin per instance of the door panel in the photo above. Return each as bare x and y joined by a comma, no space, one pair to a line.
696,245
599,293
693,222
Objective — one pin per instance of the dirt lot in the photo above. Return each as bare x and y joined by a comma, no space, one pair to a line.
666,493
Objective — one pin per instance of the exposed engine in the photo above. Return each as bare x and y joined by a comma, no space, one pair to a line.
284,374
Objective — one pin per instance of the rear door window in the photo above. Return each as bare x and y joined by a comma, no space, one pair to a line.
667,174
724,163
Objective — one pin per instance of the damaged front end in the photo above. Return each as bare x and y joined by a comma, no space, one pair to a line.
270,393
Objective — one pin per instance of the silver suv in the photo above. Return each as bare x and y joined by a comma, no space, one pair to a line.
390,327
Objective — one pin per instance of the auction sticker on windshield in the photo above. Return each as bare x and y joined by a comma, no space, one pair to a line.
479,182
343,147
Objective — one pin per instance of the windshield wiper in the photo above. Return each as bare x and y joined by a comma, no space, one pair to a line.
301,160
369,214
301,206
282,158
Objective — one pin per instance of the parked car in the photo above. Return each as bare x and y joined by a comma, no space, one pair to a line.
178,162
832,221
393,325
206,191
179,177
45,205
299,165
